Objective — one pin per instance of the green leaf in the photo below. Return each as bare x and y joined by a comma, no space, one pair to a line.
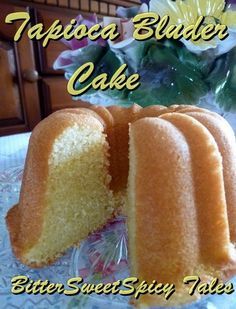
108,64
167,77
225,82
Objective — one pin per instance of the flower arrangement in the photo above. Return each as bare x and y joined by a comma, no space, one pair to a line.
171,72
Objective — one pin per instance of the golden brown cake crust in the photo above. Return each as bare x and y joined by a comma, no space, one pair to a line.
12,220
225,139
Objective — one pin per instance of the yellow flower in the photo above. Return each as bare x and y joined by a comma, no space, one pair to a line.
187,12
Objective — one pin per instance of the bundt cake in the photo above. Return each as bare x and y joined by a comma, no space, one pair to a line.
173,171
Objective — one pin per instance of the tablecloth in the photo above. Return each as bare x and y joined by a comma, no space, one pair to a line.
13,150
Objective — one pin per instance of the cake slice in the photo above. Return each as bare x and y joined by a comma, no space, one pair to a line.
65,192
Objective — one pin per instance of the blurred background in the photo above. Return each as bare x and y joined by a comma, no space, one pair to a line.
29,87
